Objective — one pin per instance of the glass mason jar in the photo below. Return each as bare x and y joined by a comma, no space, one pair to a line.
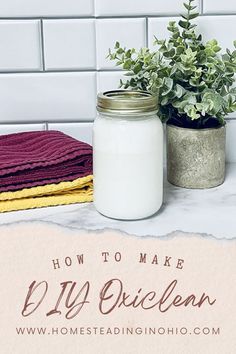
127,155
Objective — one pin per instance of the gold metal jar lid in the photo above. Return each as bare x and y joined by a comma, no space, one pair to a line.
126,102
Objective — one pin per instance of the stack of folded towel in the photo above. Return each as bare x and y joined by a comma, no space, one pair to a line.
46,168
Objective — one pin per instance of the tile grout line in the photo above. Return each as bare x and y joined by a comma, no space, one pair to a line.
147,34
60,71
96,51
96,71
42,44
201,7
94,7
62,121
109,17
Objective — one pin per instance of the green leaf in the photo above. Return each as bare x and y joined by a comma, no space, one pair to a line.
216,48
212,42
187,6
191,112
168,84
121,84
128,53
234,53
173,69
127,64
172,26
233,91
209,52
137,68
159,83
179,91
120,51
169,54
117,45
192,26
186,17
132,82
192,16
180,50
214,100
164,101
184,24
190,98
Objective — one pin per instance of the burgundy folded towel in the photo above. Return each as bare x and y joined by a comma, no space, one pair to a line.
37,158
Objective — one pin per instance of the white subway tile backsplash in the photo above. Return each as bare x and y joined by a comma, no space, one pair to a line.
211,27
107,81
220,28
42,8
138,7
158,27
20,45
47,97
231,115
18,128
53,56
230,141
69,44
79,131
219,6
129,32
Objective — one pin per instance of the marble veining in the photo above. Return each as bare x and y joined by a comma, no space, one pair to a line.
210,212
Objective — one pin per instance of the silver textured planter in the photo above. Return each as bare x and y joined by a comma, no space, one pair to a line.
196,157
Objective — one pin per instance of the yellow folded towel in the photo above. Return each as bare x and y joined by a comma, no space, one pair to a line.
78,191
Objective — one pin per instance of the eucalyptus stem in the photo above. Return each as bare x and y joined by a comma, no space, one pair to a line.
194,82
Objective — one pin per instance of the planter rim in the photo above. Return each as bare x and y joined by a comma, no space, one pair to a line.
196,130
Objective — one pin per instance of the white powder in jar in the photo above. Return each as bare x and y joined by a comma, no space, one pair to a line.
128,165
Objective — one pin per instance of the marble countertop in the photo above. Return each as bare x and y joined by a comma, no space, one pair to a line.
210,212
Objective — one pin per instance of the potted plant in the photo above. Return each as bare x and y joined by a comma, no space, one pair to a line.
194,84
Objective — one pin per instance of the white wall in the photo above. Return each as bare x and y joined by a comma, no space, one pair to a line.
52,56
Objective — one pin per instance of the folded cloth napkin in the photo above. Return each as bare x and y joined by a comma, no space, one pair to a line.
41,157
77,191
